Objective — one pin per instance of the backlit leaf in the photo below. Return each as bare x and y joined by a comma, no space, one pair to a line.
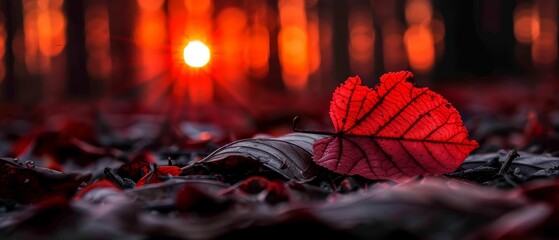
393,131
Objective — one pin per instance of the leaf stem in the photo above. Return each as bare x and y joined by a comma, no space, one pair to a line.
511,155
297,119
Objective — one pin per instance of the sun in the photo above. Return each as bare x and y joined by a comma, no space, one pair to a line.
196,54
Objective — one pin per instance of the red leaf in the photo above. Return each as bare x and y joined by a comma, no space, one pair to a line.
153,177
138,166
393,131
97,185
534,128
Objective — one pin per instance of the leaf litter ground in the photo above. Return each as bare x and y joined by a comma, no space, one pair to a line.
120,181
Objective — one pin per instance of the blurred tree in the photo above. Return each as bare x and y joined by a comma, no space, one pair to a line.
340,40
479,38
12,11
78,82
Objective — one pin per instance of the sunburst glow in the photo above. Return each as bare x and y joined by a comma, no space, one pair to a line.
196,54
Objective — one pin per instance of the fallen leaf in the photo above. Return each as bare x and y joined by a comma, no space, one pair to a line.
27,183
393,131
165,191
533,128
270,191
289,155
193,200
419,208
155,175
137,166
95,186
58,148
527,163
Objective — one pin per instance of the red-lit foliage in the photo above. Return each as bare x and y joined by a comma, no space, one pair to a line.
154,176
393,131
